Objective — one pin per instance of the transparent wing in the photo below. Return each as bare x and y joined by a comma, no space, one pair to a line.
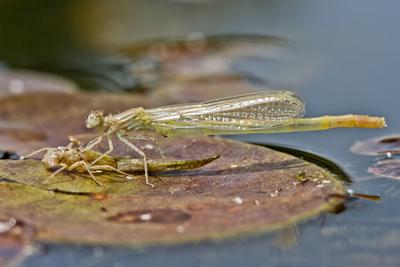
264,105
242,113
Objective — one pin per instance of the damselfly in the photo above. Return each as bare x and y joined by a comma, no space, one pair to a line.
74,159
263,112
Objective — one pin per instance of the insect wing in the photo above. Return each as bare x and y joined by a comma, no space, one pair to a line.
247,112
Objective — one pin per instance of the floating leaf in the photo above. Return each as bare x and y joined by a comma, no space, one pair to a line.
388,168
198,55
200,67
250,189
377,146
15,82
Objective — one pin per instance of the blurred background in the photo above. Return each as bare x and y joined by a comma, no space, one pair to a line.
341,56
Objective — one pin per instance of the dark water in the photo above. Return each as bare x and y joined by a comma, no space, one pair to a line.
344,58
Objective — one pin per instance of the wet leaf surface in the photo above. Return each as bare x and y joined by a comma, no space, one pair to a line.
249,189
377,146
387,168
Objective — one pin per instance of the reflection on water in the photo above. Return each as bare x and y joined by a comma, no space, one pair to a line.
342,58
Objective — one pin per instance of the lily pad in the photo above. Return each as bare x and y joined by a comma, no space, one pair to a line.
201,67
377,146
15,82
199,55
249,189
387,168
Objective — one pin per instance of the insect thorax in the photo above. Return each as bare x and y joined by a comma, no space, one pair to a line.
71,156
110,124
141,120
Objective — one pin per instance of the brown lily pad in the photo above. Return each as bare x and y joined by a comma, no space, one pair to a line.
200,67
16,82
387,168
377,146
249,189
199,55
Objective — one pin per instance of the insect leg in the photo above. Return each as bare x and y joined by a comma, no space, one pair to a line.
110,149
140,152
93,143
88,169
35,152
63,167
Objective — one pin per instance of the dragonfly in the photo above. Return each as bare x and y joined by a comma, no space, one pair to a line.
75,159
262,112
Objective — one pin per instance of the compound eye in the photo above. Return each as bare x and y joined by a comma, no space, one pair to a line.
93,120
